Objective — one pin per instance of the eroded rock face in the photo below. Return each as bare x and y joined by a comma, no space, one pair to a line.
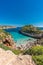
9,58
8,41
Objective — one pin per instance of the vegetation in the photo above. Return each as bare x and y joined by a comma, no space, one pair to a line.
30,29
6,39
38,59
37,54
35,50
3,34
7,48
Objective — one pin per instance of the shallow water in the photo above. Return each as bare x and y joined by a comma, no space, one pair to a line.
19,38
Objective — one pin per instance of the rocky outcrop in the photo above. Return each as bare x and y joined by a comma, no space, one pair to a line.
8,58
37,36
8,41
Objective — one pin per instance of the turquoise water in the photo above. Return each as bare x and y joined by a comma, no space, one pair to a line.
19,38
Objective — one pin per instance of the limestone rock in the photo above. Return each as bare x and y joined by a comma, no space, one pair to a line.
9,58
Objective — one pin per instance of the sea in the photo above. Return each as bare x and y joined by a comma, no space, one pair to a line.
18,38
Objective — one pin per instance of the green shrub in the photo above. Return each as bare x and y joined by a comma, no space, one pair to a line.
7,48
37,54
35,50
31,29
38,59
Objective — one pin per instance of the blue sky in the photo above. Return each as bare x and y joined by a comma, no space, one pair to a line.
21,12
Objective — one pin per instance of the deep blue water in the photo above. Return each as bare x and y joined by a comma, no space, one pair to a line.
19,38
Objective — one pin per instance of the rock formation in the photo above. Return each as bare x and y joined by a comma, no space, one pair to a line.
9,58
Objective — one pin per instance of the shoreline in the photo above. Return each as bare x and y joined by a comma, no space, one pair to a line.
27,45
31,35
7,27
23,43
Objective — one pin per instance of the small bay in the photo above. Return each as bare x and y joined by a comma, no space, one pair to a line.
18,38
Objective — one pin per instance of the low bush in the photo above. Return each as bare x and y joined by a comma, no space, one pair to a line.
35,50
37,54
7,48
38,59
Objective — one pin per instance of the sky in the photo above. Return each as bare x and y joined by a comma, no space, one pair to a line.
21,12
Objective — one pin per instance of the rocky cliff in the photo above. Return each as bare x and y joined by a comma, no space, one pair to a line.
8,58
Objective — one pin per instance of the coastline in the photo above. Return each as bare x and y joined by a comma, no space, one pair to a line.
7,27
23,43
21,40
37,36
